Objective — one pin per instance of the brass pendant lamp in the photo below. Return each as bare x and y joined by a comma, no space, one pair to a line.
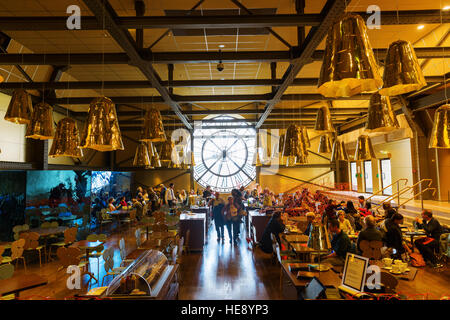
153,129
167,157
305,137
294,148
20,107
339,152
141,158
256,158
364,149
381,116
41,124
67,140
402,71
151,154
281,157
155,162
102,132
325,145
349,66
323,121
440,135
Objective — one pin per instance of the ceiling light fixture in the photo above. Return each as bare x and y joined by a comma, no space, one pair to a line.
420,27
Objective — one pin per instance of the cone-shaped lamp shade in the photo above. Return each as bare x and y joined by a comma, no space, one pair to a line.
41,124
440,135
323,121
402,71
325,145
280,148
167,157
294,148
339,152
349,66
364,149
153,129
305,137
155,162
381,116
19,108
102,132
141,158
151,154
67,140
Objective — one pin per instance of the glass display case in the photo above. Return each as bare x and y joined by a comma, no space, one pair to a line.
144,278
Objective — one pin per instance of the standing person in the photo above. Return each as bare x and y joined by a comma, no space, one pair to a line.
207,193
427,246
230,212
217,205
153,199
162,195
170,196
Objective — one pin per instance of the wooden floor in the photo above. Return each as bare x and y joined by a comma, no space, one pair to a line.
222,271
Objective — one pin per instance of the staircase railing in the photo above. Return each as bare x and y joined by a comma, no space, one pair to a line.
398,188
421,197
404,190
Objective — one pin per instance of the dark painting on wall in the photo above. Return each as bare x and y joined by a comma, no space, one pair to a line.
12,202
62,196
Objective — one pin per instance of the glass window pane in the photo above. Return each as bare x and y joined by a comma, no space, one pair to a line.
353,176
368,176
386,177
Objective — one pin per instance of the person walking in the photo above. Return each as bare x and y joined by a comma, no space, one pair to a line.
217,205
230,213
170,196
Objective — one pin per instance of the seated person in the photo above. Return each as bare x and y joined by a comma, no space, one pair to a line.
123,202
366,211
394,237
429,245
111,206
340,244
370,233
344,224
139,209
341,206
275,227
310,216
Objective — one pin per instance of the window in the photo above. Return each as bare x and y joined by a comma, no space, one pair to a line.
386,177
368,176
353,173
224,157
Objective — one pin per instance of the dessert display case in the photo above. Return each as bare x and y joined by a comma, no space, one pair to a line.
150,276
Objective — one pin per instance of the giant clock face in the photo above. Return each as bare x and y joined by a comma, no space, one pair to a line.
224,157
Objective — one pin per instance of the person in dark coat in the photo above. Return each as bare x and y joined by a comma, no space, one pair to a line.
370,233
429,245
275,226
217,205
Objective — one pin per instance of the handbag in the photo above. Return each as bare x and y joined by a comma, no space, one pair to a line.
417,260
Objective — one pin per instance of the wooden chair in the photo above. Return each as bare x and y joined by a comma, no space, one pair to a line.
108,258
32,243
6,272
96,253
18,229
371,249
131,220
70,235
72,256
277,251
104,218
17,248
123,254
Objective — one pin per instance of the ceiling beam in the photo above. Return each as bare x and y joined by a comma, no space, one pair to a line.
188,57
48,23
206,98
106,15
331,11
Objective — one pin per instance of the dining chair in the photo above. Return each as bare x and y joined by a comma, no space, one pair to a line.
104,218
371,249
277,251
131,219
108,258
70,236
18,229
123,253
32,243
72,256
97,252
17,248
6,272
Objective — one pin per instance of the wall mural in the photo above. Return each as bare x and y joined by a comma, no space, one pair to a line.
62,196
12,202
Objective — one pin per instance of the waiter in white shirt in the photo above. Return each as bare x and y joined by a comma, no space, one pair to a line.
170,196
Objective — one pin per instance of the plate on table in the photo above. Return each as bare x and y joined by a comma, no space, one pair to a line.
387,268
399,272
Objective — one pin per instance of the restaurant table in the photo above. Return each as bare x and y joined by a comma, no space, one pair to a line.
295,238
88,246
413,234
293,286
206,210
408,275
196,223
45,233
258,221
17,284
117,214
301,249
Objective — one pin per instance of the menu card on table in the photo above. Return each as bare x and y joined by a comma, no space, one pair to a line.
354,274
